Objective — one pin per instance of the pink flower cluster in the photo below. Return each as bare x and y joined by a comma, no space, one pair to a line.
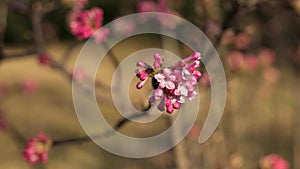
172,85
238,61
85,23
273,161
36,149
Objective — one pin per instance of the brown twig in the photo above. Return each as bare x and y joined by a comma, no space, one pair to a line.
104,134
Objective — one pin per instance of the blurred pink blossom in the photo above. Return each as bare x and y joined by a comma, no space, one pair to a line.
172,85
160,6
37,149
267,56
83,24
147,6
242,40
44,59
273,161
124,27
101,36
79,75
29,86
213,29
235,60
195,131
205,80
251,62
271,74
228,37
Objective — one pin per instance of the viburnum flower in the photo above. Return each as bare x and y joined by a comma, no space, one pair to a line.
44,59
37,149
273,161
172,85
29,86
83,24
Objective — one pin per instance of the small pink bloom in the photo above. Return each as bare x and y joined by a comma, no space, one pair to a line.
251,62
147,6
195,132
205,81
83,24
37,149
235,60
242,40
29,86
228,37
267,56
273,161
101,36
160,6
79,75
44,59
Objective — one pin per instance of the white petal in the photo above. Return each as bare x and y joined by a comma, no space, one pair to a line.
159,77
170,85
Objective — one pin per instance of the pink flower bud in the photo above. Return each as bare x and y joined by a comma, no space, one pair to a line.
157,57
196,56
170,110
168,102
140,84
176,105
197,74
156,65
141,64
143,76
44,59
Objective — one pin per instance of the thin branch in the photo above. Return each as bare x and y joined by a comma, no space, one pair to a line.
20,55
104,134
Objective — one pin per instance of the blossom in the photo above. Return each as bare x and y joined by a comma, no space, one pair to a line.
3,122
172,85
267,56
238,61
147,6
205,80
83,24
79,75
44,59
251,62
37,149
160,6
273,161
29,86
242,40
235,60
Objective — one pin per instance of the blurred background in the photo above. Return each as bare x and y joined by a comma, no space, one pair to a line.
258,42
